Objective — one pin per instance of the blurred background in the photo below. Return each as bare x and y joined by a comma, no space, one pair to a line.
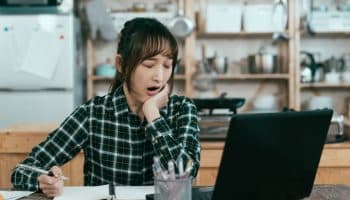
236,56
274,54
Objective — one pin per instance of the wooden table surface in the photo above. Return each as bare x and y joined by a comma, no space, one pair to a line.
319,192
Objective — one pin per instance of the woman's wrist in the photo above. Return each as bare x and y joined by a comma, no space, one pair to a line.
152,116
151,113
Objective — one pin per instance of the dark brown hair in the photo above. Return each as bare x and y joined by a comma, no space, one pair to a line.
140,39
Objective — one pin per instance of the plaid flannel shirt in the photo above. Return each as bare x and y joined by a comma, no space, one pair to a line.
118,147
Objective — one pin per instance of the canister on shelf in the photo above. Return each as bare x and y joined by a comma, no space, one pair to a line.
106,69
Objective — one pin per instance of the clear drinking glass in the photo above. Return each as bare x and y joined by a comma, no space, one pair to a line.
179,189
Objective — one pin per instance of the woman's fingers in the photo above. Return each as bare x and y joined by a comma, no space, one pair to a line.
51,193
51,185
56,171
46,180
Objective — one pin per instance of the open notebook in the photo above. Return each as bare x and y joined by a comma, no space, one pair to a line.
101,192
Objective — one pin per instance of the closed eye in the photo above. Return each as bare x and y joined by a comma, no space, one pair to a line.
148,66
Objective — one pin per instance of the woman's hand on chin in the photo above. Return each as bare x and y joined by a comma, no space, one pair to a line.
152,105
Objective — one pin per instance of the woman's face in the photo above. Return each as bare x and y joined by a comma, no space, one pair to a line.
150,77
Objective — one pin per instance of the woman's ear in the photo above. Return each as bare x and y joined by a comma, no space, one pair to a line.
118,62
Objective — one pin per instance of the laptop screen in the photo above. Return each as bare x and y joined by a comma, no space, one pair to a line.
272,155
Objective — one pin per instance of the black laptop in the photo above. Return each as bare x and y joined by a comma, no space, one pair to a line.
272,156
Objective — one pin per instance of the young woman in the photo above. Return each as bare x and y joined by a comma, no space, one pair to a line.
121,132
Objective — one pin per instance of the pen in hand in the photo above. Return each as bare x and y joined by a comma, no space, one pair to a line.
189,167
35,169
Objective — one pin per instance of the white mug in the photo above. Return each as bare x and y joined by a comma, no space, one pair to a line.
332,77
346,77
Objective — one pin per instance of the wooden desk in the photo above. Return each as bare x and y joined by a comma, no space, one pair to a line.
334,167
320,192
16,142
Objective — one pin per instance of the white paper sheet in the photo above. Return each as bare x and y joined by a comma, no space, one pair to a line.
101,192
22,37
43,53
133,192
7,55
13,195
88,193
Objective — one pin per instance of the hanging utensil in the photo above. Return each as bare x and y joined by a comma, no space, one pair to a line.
181,26
309,30
279,19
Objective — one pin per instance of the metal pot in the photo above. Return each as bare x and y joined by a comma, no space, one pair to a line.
181,26
336,129
204,78
219,63
262,63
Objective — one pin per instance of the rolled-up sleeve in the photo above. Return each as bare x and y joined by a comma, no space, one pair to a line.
59,147
170,142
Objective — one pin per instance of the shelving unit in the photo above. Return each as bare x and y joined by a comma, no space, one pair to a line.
189,47
326,34
324,85
91,64
338,90
241,34
286,50
179,77
254,77
288,82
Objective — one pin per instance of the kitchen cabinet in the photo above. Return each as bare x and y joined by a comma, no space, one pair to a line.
17,141
334,166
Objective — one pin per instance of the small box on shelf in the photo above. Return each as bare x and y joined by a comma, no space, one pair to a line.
229,16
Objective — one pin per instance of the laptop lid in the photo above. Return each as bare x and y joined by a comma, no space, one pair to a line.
272,155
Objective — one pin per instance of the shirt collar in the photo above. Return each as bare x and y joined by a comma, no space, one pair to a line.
119,101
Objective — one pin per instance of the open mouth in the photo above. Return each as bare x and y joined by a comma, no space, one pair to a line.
152,89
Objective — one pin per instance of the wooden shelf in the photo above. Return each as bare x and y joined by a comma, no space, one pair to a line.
180,77
107,78
324,85
252,76
325,34
101,78
238,34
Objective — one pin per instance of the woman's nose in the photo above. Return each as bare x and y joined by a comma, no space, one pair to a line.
158,75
